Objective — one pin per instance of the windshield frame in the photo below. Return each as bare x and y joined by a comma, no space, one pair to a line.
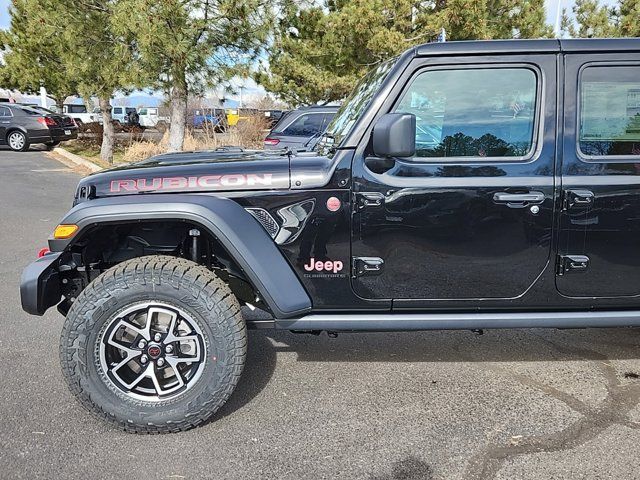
354,107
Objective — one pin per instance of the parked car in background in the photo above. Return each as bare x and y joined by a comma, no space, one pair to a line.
80,114
299,128
151,117
21,126
274,116
210,118
121,114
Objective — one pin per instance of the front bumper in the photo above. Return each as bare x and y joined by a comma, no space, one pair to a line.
40,285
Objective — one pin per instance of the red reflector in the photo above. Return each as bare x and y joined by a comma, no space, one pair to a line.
333,204
43,252
271,141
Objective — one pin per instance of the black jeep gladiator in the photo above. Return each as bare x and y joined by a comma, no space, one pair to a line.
463,185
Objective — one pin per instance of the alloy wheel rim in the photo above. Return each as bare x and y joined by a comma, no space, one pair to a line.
16,140
152,351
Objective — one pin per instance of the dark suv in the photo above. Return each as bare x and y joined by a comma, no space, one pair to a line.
21,126
299,129
463,185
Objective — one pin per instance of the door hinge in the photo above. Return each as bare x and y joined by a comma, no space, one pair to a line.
369,199
572,264
577,199
366,266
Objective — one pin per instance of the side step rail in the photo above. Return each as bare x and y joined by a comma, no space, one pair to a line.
375,322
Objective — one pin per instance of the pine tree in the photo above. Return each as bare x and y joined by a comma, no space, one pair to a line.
187,46
592,20
629,18
33,55
320,52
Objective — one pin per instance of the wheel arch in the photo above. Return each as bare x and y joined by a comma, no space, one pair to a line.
243,238
14,128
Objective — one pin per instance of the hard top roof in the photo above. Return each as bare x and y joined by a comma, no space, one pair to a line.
552,45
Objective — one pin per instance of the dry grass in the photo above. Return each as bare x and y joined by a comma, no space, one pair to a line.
249,133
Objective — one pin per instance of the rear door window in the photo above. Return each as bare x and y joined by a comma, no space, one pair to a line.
473,113
5,112
305,125
609,111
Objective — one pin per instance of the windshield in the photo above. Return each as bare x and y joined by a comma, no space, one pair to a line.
355,104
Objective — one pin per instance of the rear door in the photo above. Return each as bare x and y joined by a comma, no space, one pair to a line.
470,215
5,122
600,221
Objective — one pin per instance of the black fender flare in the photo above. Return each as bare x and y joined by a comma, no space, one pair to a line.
239,233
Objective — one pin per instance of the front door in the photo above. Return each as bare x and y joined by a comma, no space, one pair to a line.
470,215
599,241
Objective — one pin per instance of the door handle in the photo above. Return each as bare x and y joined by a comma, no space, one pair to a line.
518,200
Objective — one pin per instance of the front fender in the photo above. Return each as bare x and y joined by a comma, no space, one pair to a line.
240,234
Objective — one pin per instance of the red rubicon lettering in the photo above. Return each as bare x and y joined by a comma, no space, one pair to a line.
172,183
233,180
209,181
180,183
142,185
127,185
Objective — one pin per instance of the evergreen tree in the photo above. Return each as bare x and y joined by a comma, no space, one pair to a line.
592,20
186,46
33,57
320,51
629,18
99,58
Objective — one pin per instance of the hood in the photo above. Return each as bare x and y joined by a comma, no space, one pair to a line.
229,169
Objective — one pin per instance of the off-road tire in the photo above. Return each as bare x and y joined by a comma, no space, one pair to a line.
172,281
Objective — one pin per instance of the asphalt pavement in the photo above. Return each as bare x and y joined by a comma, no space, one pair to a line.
519,404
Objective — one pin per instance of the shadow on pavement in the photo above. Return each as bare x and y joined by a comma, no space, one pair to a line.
524,345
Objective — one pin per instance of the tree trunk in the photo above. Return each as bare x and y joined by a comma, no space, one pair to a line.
178,120
106,150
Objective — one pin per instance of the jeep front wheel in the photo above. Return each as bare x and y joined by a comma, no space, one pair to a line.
155,344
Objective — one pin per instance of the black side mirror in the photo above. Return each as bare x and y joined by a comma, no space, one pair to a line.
394,135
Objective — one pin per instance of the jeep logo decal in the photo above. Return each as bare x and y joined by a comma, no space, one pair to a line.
184,183
327,266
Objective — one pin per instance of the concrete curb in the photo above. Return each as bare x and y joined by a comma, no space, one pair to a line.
78,160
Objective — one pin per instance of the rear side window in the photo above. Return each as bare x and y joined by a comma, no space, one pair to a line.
473,113
117,110
305,125
5,112
610,111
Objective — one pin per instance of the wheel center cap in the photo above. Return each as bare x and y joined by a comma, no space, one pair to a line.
154,351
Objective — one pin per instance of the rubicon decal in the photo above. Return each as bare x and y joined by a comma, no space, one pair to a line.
189,183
